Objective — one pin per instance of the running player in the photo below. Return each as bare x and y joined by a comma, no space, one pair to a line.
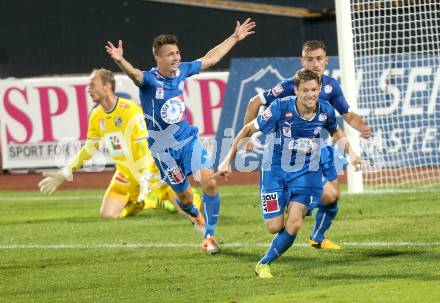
120,123
175,144
314,58
291,175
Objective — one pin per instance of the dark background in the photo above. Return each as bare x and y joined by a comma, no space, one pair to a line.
48,37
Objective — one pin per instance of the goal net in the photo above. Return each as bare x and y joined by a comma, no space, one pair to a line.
396,48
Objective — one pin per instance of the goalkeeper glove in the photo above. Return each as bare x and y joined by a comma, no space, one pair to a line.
144,186
54,180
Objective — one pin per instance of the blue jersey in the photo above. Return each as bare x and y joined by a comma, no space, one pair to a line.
164,107
330,92
294,150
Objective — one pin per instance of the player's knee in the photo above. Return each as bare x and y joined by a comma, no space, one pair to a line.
293,226
105,214
330,195
210,187
274,227
186,197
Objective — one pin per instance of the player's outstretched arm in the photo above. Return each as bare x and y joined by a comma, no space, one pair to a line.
224,169
358,123
252,109
342,142
251,113
116,53
55,179
217,53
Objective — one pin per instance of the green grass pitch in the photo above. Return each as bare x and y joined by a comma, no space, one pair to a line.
57,250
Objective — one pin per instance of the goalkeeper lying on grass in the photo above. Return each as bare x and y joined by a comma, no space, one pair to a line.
136,183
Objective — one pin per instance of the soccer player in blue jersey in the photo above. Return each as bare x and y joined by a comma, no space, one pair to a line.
290,183
174,143
314,58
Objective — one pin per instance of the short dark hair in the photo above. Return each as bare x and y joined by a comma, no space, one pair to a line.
312,45
304,75
106,77
162,40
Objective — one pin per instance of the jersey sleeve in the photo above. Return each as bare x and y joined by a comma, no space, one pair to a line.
283,89
338,100
93,131
191,68
331,125
146,80
266,121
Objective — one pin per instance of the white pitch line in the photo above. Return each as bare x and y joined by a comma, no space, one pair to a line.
193,245
242,194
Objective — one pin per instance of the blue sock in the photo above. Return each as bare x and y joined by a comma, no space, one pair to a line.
324,218
189,209
280,243
211,208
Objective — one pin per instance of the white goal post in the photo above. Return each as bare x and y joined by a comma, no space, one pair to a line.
389,54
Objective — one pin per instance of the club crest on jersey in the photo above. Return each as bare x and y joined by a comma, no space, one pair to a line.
160,93
287,132
289,115
172,111
269,203
277,90
267,114
175,175
322,117
328,88
118,121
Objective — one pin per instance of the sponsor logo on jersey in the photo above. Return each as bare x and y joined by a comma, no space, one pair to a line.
269,203
322,117
277,90
287,132
118,121
172,111
304,145
267,114
123,104
328,88
175,175
160,93
115,143
289,115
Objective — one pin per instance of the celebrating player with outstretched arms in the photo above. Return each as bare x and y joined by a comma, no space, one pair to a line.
174,143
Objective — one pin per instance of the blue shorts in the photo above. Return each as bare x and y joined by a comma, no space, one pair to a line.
277,190
176,165
332,162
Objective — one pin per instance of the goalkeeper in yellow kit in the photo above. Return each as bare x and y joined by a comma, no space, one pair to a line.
120,123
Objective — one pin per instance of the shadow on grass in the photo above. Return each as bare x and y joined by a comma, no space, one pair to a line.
241,255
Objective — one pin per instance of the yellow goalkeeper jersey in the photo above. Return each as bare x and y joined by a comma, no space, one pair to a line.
122,130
